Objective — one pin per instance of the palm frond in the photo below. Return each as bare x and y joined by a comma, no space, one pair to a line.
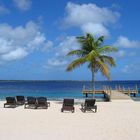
76,63
103,68
76,52
99,41
108,60
107,49
92,55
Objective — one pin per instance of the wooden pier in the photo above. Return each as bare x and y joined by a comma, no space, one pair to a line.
109,94
128,91
106,93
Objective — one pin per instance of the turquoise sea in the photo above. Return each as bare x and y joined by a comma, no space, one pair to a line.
57,90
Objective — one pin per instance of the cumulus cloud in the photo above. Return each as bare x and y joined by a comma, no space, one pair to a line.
124,42
68,44
3,10
23,5
14,54
90,17
60,59
120,53
97,29
18,42
124,53
47,46
126,68
57,62
131,68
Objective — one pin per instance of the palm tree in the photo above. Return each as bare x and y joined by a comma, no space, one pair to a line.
94,53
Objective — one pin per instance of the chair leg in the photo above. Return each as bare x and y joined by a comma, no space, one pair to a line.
84,110
96,109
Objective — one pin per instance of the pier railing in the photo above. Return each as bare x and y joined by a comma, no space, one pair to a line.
118,93
128,90
106,91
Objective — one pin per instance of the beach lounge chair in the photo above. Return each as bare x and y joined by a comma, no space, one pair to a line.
89,105
42,102
68,105
10,101
31,102
20,100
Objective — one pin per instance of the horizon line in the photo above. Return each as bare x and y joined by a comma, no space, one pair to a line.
68,80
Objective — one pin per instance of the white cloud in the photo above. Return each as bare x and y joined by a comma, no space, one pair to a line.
18,42
120,53
23,5
47,46
90,14
56,62
5,46
124,53
59,58
68,44
126,69
131,68
3,10
124,42
19,53
97,29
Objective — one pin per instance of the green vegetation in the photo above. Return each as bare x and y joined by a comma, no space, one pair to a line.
95,54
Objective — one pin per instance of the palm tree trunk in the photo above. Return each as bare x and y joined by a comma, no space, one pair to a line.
93,82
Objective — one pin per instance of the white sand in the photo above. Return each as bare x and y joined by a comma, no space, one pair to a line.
116,120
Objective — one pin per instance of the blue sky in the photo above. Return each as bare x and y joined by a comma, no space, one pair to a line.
35,36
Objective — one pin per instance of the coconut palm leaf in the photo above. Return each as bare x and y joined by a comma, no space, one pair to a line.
76,52
107,49
108,60
76,63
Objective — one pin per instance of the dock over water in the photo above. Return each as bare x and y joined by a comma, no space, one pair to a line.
111,94
106,93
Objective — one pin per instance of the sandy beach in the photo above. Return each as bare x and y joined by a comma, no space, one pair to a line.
114,120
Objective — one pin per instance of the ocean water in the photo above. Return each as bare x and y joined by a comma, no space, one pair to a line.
57,90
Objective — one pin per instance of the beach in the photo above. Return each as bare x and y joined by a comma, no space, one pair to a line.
118,119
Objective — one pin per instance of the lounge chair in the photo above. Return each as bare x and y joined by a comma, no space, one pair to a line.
42,102
89,105
20,100
68,105
31,102
10,101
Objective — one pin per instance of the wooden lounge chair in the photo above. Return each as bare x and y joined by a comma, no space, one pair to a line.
10,101
31,102
20,100
68,105
42,102
89,105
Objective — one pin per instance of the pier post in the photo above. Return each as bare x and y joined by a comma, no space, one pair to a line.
86,95
116,87
129,91
134,94
119,88
137,89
